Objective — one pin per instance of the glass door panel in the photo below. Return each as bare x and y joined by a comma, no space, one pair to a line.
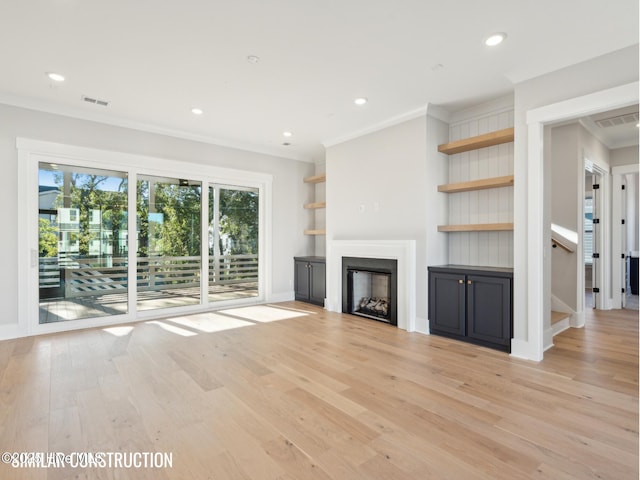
82,242
169,257
233,242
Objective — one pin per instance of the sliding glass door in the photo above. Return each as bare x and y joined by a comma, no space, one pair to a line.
82,242
233,242
116,242
169,249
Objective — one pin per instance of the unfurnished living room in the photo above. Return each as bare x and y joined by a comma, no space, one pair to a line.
296,240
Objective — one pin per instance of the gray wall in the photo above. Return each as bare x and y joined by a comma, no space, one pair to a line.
289,192
566,170
624,156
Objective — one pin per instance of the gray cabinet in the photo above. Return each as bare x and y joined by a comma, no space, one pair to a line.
473,304
310,279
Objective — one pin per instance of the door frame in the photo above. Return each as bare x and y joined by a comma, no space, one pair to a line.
618,210
536,248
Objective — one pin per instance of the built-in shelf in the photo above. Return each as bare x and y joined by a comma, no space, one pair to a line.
316,205
473,143
476,227
316,179
495,182
465,145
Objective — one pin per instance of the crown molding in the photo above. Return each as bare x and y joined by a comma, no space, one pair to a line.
403,117
57,109
491,107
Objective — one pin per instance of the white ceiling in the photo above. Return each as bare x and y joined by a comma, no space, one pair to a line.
154,60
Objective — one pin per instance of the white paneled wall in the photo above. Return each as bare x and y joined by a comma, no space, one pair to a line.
481,206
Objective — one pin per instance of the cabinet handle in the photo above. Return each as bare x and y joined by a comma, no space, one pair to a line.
460,281
468,282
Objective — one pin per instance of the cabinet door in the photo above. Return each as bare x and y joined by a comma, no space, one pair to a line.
489,309
447,303
317,289
301,281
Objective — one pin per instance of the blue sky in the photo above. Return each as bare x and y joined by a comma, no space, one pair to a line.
48,178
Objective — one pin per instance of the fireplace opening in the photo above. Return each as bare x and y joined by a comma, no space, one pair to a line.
370,294
370,288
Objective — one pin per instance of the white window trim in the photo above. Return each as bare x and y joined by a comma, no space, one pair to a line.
31,152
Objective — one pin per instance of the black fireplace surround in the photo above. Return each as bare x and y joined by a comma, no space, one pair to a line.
378,307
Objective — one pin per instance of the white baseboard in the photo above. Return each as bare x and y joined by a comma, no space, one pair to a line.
11,331
577,320
289,296
555,329
547,339
558,305
523,349
425,322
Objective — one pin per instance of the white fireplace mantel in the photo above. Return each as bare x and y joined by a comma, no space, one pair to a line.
403,251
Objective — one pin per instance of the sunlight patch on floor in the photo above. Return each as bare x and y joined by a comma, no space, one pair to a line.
119,331
210,322
263,313
172,328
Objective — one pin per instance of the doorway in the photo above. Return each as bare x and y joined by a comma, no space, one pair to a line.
629,240
534,236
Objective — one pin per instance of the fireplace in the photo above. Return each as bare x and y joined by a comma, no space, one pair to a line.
370,288
401,251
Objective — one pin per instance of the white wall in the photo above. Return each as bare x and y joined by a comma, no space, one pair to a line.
289,192
377,188
598,74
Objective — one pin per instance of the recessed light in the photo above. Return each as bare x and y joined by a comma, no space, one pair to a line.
287,134
360,101
197,111
495,39
56,77
253,59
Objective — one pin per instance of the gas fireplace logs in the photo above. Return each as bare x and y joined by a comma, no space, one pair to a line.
379,306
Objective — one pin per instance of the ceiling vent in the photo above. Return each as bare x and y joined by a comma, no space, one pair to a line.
95,101
618,120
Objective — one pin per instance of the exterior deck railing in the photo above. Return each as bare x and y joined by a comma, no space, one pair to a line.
90,276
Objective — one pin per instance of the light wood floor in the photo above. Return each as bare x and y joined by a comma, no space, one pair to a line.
292,392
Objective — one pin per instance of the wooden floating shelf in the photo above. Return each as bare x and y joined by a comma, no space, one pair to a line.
316,205
315,232
316,179
483,184
474,143
476,227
